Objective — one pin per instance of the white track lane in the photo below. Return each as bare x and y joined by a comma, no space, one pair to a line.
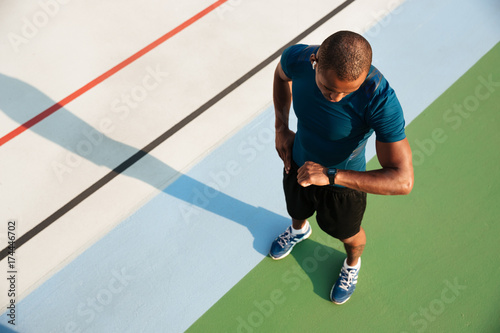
98,208
65,54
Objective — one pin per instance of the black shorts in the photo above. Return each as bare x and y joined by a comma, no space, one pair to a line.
339,210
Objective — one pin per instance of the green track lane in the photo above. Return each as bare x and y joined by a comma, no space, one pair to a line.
432,260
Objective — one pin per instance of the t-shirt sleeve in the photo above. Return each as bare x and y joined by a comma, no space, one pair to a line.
289,59
387,117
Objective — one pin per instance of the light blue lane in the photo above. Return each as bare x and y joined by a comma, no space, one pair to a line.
167,264
160,269
425,46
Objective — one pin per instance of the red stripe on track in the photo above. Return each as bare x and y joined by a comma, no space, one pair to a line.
44,114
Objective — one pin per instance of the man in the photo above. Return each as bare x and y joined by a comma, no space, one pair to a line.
340,99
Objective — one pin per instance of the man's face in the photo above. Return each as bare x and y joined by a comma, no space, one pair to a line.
334,89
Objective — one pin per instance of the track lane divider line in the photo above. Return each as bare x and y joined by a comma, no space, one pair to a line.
171,131
44,114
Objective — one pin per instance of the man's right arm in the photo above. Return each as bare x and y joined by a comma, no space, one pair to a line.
282,98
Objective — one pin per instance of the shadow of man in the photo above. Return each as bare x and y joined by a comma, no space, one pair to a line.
21,102
320,263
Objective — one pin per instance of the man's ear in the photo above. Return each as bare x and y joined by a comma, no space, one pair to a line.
314,60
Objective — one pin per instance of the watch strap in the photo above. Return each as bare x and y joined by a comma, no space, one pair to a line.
332,172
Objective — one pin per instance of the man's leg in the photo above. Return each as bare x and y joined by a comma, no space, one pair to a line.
298,224
354,246
298,204
346,283
346,210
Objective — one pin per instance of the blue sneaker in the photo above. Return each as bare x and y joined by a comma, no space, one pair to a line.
345,285
284,243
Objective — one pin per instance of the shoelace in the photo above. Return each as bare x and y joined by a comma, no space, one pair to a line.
348,278
285,237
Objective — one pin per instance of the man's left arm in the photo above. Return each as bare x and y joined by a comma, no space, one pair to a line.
395,177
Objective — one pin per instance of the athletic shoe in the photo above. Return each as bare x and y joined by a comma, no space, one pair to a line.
345,285
284,243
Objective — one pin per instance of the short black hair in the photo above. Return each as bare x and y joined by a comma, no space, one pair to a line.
349,54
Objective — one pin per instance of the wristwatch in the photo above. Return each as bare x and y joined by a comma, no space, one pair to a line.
332,172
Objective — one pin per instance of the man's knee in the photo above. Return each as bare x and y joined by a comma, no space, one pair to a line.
358,238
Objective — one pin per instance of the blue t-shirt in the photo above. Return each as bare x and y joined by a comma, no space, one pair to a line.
335,134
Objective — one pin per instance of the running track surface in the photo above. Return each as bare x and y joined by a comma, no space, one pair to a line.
441,141
421,271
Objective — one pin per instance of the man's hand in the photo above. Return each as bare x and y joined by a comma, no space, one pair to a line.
284,144
313,174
